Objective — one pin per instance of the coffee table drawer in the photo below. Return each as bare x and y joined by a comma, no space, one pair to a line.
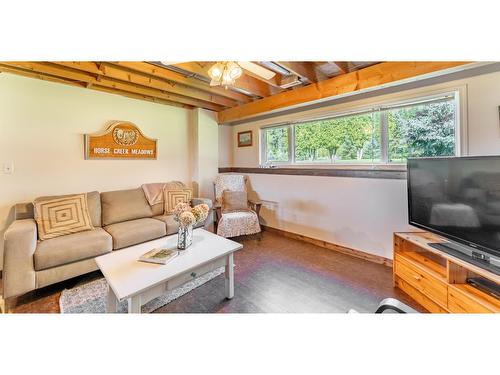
197,272
424,282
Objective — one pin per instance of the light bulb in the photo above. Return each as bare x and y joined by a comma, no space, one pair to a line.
216,71
235,71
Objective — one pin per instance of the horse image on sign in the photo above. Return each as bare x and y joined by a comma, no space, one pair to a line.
120,140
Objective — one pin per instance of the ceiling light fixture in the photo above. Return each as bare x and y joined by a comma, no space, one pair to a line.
224,73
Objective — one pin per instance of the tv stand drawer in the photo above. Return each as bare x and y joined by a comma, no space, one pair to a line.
464,299
422,281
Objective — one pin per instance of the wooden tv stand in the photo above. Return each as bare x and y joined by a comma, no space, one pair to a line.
437,280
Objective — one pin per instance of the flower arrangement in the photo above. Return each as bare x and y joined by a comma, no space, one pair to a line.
187,216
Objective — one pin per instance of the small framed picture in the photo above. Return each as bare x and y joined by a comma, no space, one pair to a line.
245,138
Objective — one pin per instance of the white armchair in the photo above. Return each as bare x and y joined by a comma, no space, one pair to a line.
235,223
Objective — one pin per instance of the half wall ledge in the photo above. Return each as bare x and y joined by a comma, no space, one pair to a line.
392,174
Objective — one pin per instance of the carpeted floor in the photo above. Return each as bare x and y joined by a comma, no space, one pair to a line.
275,274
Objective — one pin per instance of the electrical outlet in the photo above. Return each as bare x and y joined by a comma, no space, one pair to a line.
8,168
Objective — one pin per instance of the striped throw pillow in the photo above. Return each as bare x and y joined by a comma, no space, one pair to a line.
174,196
60,216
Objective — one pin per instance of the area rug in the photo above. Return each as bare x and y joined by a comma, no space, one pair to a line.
90,298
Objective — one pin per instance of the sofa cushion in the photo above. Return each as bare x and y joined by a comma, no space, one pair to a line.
136,231
171,224
124,205
72,248
62,216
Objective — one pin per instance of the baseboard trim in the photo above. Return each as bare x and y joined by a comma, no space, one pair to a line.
331,246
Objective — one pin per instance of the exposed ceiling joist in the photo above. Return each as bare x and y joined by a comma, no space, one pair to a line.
274,82
261,73
186,84
140,97
50,78
43,77
342,66
160,72
374,75
304,69
112,71
102,80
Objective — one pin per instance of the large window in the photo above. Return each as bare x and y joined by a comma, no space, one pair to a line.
387,134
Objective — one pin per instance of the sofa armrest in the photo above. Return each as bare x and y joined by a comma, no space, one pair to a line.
210,218
20,241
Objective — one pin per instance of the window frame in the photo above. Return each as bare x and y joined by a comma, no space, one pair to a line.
263,144
456,94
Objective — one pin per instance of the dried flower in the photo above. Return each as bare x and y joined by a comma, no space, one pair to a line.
186,216
180,208
204,207
199,213
186,219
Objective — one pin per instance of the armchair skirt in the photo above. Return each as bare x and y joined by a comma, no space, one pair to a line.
233,224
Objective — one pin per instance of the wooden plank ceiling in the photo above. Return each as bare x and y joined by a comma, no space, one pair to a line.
187,85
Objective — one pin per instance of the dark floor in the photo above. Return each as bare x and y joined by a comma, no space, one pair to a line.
273,275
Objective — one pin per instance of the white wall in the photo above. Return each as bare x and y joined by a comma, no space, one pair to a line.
41,131
225,146
361,213
207,151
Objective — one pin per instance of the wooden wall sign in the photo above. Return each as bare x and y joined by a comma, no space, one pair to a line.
121,140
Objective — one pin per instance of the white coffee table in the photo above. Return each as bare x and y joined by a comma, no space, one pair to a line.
140,282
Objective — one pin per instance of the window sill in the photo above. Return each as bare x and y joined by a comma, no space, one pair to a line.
357,171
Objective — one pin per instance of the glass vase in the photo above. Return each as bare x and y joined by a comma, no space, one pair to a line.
185,237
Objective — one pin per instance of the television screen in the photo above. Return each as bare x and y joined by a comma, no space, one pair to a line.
457,198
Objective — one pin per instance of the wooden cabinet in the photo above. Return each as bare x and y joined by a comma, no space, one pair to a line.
437,280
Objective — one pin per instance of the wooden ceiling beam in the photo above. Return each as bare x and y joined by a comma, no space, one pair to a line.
140,97
342,66
86,66
372,76
116,84
116,72
171,87
44,77
156,72
245,82
101,80
304,69
164,73
275,81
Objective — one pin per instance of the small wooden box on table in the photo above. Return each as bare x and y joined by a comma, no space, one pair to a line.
437,280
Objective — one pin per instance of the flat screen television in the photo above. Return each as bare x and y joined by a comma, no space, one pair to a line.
458,198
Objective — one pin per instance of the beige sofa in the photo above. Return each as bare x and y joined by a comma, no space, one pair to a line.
120,218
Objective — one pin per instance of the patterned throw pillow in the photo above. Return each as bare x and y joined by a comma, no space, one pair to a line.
172,197
60,216
234,201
